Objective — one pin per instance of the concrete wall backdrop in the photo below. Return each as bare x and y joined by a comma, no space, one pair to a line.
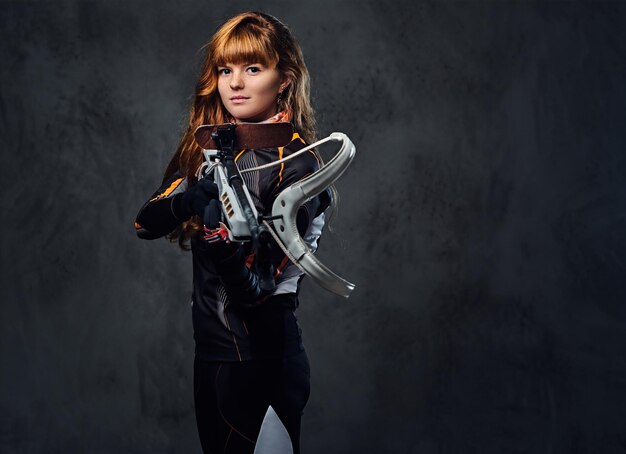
482,220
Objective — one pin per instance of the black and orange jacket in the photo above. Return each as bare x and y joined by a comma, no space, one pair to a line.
221,332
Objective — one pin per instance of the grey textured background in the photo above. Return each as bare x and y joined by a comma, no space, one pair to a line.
482,220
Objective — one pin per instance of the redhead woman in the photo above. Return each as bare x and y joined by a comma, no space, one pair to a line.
248,346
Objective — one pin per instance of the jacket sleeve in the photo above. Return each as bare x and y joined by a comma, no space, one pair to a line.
157,217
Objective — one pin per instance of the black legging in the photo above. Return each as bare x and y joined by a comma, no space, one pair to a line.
232,398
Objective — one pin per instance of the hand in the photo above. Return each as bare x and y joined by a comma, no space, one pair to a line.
212,214
213,231
195,199
228,257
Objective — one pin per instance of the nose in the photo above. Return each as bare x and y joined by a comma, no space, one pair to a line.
236,80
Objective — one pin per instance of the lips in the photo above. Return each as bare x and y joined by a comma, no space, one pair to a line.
238,100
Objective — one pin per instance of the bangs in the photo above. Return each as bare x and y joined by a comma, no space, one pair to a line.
242,46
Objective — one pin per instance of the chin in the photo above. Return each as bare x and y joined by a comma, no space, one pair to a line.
243,116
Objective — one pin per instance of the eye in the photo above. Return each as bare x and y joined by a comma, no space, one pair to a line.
220,70
255,69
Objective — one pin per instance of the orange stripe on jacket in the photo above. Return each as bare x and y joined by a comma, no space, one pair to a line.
282,165
169,190
280,156
240,153
297,136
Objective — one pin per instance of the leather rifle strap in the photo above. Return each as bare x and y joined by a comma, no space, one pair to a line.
249,135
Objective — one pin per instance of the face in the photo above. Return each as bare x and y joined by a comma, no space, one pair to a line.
249,91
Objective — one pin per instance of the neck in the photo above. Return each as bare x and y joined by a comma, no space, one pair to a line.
283,115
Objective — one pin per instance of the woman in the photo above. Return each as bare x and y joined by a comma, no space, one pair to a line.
249,352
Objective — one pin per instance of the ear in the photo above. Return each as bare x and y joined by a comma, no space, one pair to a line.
285,83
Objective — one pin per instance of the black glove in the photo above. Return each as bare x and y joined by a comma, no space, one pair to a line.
195,199
212,214
219,247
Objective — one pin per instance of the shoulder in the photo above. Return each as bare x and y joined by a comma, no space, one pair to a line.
303,164
297,143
